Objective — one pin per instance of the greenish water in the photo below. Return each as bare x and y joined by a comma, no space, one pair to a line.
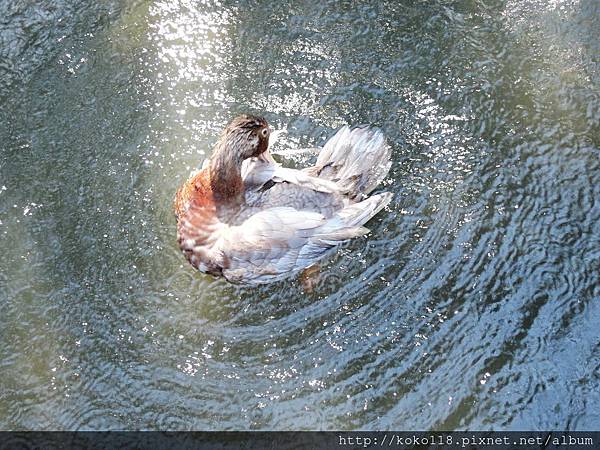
473,304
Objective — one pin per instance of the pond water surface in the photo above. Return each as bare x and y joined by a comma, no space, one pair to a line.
473,304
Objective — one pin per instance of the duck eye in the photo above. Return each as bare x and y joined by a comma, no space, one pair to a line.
264,132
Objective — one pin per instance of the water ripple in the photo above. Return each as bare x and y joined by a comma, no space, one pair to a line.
473,302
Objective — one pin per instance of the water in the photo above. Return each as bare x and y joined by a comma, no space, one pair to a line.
473,304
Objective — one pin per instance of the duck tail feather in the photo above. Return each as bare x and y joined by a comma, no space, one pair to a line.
357,159
360,213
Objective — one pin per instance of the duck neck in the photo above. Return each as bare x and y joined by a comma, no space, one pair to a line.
225,177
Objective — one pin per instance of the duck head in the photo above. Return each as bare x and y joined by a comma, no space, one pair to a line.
245,137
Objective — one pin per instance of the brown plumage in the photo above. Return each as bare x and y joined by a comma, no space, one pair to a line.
197,187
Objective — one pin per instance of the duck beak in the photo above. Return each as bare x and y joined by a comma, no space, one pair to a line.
266,157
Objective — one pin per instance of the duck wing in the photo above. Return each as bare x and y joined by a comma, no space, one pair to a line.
269,185
299,197
273,242
353,163
256,172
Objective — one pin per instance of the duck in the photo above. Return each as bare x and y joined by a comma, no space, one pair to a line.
250,220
